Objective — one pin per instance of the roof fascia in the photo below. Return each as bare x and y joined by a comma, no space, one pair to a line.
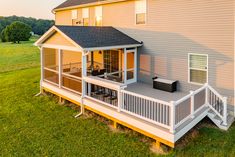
87,5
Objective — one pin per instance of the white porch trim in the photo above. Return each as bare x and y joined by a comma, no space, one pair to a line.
113,47
50,32
70,48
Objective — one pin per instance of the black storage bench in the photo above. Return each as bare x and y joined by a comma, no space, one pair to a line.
164,84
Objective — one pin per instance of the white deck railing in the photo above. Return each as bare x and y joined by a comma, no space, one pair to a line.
217,103
188,106
172,114
150,109
169,115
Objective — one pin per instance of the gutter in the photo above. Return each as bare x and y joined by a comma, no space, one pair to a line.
87,5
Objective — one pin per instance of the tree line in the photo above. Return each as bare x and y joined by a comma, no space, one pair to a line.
14,28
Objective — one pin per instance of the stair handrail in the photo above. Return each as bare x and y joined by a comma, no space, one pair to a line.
224,100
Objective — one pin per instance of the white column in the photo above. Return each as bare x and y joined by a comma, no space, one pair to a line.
225,111
125,66
192,104
84,73
60,67
119,99
206,94
42,63
172,120
42,67
89,89
135,65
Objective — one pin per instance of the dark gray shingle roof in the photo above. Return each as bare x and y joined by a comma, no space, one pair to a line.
70,3
90,36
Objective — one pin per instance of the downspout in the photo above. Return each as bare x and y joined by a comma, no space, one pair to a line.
83,84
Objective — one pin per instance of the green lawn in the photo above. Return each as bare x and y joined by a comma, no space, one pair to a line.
38,126
18,56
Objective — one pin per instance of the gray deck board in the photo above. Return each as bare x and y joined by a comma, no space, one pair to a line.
148,90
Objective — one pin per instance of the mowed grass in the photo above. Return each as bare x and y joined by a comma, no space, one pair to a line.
18,56
39,126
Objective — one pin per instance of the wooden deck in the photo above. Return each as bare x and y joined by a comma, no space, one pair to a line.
163,116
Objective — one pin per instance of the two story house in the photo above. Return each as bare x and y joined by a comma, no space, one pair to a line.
158,67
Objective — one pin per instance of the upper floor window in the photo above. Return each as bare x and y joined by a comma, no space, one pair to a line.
98,15
85,16
74,14
198,68
140,11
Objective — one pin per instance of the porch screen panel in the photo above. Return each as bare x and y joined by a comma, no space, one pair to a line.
72,71
51,65
198,68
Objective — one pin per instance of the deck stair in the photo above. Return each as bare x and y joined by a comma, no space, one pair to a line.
218,120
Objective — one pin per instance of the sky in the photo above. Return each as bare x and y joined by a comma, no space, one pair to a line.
29,8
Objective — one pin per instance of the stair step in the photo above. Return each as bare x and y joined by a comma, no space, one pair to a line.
230,119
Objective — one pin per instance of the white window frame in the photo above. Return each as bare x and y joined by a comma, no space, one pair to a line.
74,14
85,13
99,13
189,68
137,12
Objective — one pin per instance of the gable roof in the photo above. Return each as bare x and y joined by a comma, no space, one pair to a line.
91,37
70,3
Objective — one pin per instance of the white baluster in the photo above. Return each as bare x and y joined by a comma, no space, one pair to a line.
225,111
172,122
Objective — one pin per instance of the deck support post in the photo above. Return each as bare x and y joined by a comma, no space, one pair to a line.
172,120
192,104
61,100
157,144
115,124
225,111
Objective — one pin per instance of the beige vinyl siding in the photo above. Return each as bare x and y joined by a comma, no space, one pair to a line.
63,17
174,29
58,39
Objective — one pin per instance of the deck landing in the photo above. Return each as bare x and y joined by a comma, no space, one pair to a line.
149,91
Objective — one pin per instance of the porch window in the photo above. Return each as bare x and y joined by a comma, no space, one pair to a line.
140,11
85,16
74,14
98,15
198,68
111,61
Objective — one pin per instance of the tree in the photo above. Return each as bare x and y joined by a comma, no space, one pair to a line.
17,31
3,35
39,26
